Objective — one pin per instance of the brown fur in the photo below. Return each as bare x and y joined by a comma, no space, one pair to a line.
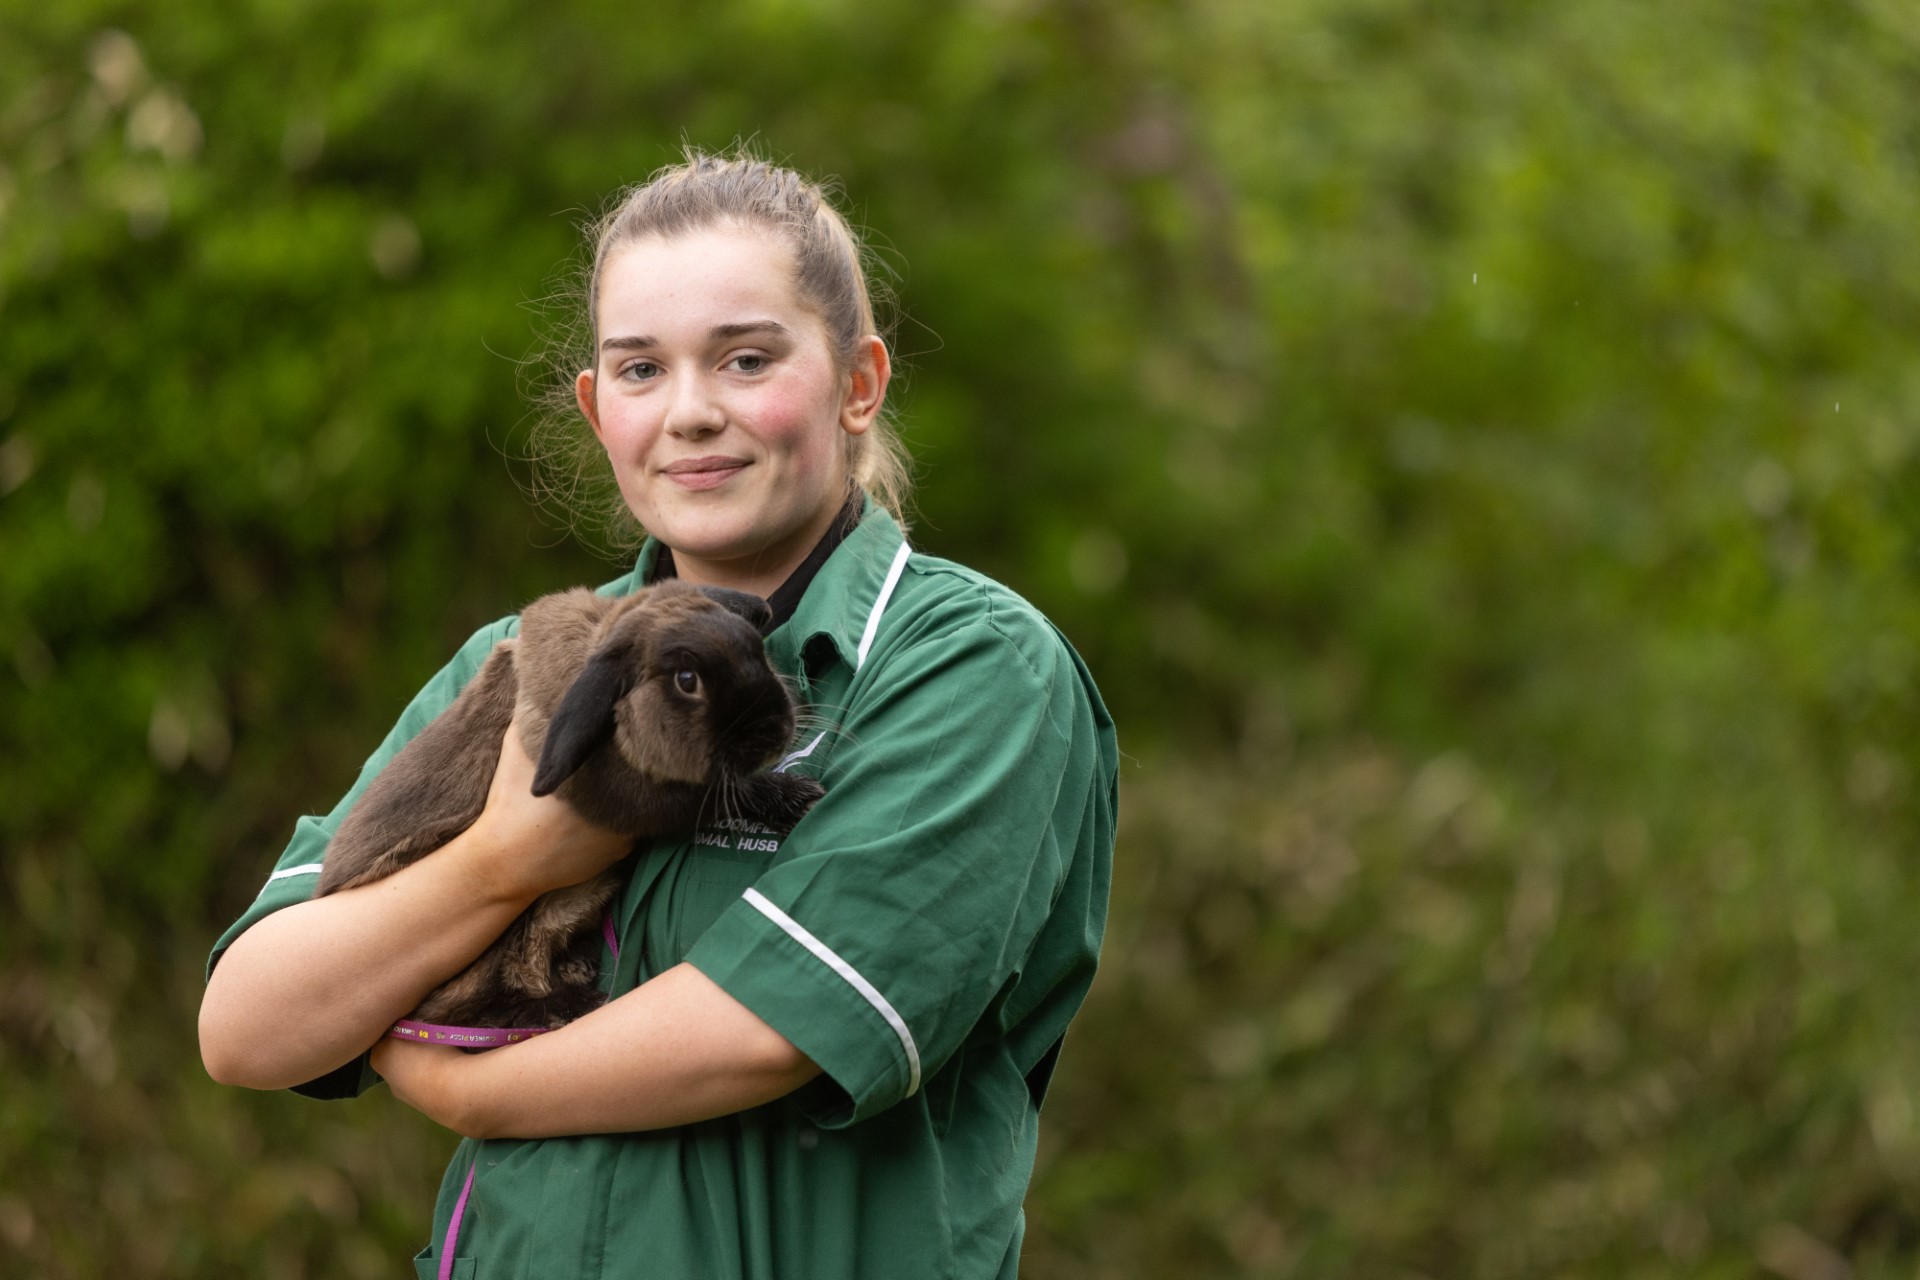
594,683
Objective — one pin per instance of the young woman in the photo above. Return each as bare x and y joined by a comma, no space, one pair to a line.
824,1052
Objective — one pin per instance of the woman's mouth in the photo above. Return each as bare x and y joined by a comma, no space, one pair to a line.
703,473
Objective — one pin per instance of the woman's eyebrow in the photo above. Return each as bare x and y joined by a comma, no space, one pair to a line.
719,333
741,330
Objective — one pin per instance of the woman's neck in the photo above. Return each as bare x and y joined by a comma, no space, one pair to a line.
759,574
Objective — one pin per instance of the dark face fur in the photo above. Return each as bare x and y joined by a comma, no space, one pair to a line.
674,675
706,704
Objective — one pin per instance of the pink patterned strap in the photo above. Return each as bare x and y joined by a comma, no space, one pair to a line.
461,1037
485,1037
453,1224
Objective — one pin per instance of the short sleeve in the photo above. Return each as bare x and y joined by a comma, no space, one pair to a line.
913,905
297,871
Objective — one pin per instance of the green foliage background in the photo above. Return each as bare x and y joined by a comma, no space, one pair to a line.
1475,446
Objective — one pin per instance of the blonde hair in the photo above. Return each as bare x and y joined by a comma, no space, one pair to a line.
830,275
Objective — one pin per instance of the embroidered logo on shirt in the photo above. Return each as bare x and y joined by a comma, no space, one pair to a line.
738,833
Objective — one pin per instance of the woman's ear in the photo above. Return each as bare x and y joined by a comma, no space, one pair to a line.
866,386
583,389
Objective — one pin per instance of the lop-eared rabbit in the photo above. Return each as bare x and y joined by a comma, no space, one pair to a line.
644,712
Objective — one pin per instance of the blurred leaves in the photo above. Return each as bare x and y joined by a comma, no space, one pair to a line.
1476,449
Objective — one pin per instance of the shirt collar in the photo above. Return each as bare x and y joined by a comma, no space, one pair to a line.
843,596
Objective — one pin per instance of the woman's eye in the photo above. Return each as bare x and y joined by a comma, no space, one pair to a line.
749,364
688,682
641,370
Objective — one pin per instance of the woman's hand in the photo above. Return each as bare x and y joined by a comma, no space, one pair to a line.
531,844
675,1050
429,1078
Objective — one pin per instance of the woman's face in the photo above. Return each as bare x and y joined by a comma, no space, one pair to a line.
720,405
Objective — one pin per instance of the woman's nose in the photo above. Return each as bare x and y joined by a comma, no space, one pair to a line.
693,411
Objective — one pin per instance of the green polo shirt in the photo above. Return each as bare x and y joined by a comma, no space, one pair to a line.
925,934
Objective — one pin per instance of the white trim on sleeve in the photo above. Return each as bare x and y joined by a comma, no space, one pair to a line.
799,933
304,869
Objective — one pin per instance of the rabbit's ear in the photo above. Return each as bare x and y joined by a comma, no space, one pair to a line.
749,606
584,718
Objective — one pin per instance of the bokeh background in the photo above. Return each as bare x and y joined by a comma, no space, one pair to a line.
1474,445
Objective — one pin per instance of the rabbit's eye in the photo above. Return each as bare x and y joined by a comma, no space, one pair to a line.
687,681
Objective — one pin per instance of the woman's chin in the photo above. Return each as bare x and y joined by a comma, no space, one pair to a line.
700,524
733,533
728,545
714,535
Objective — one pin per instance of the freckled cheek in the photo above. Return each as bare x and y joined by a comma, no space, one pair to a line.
785,417
784,413
628,438
627,433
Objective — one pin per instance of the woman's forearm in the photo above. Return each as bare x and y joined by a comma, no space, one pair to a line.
312,986
675,1050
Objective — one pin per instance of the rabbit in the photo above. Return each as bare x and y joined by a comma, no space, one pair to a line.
641,711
